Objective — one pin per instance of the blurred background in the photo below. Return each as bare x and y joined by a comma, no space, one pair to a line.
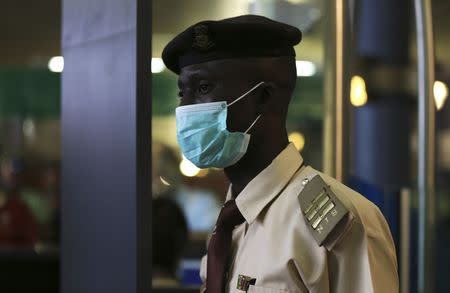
30,144
381,148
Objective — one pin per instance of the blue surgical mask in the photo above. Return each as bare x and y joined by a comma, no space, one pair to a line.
203,136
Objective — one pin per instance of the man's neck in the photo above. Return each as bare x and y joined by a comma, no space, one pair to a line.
256,160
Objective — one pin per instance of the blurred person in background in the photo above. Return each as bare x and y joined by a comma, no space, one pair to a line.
52,189
41,195
170,236
17,225
165,173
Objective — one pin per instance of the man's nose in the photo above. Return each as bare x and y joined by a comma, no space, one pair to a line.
182,102
186,100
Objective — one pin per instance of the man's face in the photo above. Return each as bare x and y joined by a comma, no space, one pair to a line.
222,80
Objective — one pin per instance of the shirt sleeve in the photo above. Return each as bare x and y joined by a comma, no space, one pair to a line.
364,259
203,270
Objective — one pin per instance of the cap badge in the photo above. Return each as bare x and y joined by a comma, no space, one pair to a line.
201,38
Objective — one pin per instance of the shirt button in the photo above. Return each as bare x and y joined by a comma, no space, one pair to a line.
305,181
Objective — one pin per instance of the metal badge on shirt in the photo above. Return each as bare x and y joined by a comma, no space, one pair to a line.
320,207
244,282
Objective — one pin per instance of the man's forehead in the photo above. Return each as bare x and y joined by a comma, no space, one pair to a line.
194,72
216,68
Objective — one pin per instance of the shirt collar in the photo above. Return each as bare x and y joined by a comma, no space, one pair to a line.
268,183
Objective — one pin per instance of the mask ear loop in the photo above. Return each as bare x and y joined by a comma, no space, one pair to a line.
249,91
254,122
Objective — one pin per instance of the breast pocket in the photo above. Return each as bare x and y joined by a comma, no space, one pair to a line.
258,289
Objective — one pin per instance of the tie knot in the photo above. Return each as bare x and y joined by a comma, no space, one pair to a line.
229,216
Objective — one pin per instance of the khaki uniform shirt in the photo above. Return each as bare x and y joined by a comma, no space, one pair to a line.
275,246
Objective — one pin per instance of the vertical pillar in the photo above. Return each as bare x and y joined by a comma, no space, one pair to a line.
105,245
426,147
336,88
381,129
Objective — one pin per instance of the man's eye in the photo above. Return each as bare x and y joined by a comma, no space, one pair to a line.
203,89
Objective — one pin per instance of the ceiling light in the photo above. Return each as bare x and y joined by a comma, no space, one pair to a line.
440,91
358,93
56,64
305,68
157,65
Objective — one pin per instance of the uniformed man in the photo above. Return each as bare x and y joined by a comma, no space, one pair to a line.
285,227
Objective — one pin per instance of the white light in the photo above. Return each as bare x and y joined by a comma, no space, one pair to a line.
305,68
157,65
295,1
29,128
164,181
440,91
188,169
358,93
56,64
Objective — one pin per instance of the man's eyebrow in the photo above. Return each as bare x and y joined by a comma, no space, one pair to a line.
191,76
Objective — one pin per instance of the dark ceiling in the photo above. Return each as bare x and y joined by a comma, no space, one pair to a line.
30,30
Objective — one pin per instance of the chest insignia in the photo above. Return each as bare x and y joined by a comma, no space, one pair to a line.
244,282
320,207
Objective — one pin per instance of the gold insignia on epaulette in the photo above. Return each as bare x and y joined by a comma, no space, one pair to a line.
202,39
320,207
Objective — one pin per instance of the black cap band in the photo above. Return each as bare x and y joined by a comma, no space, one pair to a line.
196,57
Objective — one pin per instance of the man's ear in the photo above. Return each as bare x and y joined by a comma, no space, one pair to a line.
266,98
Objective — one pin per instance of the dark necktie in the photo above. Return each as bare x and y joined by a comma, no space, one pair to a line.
219,247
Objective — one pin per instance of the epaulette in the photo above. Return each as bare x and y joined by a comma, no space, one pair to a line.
320,207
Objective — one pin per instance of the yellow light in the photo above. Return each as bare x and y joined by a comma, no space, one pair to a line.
358,93
188,169
297,139
203,172
440,92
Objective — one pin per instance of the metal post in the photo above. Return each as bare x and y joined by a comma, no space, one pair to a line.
405,229
336,88
426,146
